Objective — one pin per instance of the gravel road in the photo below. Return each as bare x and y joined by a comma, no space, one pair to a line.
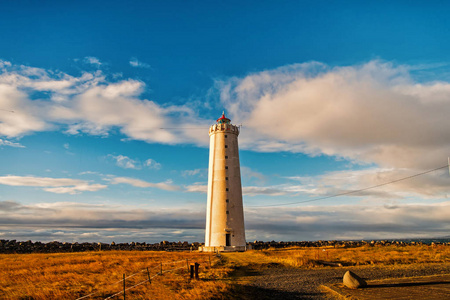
289,283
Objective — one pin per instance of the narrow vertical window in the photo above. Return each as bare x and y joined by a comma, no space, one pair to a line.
226,167
226,146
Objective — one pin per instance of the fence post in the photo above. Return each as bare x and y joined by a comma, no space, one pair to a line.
124,297
148,274
192,270
196,270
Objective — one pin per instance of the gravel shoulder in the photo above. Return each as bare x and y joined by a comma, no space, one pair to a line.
279,282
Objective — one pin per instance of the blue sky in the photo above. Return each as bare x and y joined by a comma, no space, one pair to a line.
105,108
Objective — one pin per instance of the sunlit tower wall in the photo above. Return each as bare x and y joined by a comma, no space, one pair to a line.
225,214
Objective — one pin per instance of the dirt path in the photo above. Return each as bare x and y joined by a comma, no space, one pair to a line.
279,282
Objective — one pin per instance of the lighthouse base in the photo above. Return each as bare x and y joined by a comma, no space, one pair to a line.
224,249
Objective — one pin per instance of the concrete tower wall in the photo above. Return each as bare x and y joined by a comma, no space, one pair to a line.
225,229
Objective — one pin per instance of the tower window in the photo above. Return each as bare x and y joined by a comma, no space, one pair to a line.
226,190
228,212
226,167
225,135
227,200
226,157
226,146
226,178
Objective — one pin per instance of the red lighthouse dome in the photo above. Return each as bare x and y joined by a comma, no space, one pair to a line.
223,119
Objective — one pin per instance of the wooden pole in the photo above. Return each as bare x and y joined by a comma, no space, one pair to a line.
148,274
124,297
192,271
196,270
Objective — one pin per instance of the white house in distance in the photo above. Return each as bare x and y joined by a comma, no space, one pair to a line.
225,213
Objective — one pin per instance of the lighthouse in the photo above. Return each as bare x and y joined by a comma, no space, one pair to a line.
225,213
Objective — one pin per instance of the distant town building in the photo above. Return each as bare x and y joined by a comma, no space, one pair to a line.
225,213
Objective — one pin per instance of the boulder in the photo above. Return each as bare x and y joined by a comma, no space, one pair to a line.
353,281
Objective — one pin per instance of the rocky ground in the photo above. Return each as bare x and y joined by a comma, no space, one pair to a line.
278,282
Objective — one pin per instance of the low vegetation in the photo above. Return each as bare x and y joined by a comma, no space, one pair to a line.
326,256
74,275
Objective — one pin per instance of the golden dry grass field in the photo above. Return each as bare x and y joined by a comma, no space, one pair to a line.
365,255
74,275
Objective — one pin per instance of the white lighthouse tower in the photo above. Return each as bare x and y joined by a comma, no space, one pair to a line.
225,214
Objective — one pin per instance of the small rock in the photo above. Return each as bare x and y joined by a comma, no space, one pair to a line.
353,281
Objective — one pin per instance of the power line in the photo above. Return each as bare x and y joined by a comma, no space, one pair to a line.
353,192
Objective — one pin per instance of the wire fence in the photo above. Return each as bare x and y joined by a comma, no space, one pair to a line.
147,270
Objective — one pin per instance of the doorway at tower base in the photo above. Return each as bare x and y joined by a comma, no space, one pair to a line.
225,249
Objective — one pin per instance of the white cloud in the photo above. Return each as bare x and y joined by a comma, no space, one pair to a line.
430,186
167,185
54,185
43,221
92,60
66,146
248,173
338,222
70,221
89,173
263,190
134,62
89,104
125,162
200,172
197,188
25,118
129,163
152,164
369,113
10,144
372,113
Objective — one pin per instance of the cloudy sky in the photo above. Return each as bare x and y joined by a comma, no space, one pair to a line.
105,108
